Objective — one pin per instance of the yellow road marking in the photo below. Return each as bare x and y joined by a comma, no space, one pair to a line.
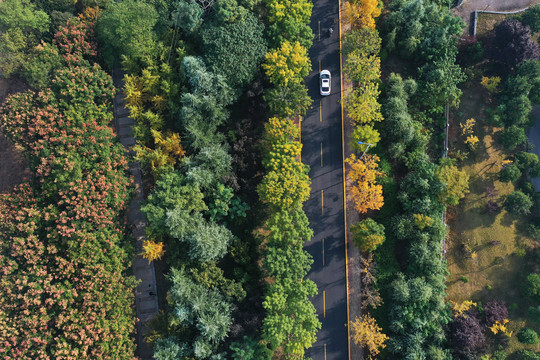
323,251
321,156
319,65
324,303
324,351
320,110
344,189
319,30
322,201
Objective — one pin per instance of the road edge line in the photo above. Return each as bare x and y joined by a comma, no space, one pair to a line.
344,187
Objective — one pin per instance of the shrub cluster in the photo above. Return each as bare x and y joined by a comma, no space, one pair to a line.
65,292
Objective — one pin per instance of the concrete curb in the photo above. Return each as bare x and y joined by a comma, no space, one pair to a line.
476,12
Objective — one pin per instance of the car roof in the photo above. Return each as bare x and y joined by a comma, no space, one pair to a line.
325,72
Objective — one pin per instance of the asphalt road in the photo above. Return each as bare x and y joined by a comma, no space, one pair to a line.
322,151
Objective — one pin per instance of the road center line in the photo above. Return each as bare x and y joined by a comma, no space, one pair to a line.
319,30
322,201
320,110
324,351
324,303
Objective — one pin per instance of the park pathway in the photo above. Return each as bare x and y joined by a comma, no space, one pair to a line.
146,301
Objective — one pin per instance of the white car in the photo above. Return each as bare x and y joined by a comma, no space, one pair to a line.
325,79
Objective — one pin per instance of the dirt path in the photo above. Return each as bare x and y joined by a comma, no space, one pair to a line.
467,8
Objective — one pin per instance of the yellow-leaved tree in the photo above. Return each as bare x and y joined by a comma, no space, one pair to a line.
362,13
289,63
152,250
167,152
363,174
368,334
362,105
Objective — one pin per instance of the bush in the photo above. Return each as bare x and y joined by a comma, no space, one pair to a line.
464,278
531,286
526,354
527,336
509,173
534,313
518,203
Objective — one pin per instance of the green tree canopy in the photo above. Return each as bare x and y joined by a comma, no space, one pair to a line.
125,30
235,50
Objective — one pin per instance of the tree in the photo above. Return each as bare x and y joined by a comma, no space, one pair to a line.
170,193
363,174
125,30
207,309
518,203
509,173
467,335
289,63
455,181
365,40
362,68
531,18
531,286
369,293
440,80
526,161
229,11
362,105
368,234
21,25
495,310
288,100
368,334
513,43
491,83
362,14
43,61
366,134
511,137
152,250
291,24
527,336
235,50
188,15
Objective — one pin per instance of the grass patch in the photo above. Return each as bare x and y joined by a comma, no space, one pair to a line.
484,247
486,23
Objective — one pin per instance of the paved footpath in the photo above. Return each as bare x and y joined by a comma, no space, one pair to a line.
146,301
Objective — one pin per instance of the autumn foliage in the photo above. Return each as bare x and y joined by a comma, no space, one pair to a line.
368,334
362,13
64,291
363,174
